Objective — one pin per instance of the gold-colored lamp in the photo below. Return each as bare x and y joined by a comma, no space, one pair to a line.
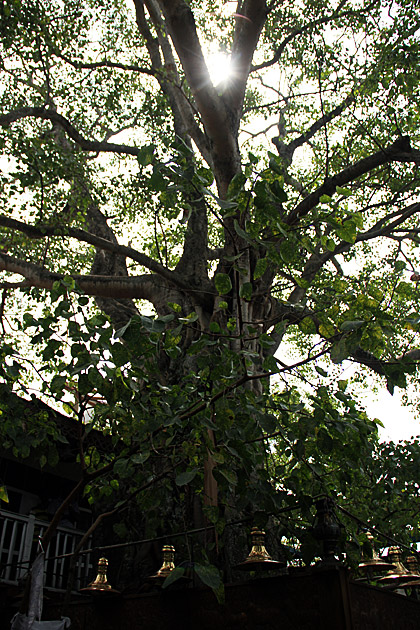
413,567
100,584
168,564
374,564
400,574
259,559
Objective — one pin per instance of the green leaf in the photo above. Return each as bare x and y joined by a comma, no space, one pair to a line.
330,244
223,203
3,494
327,330
245,291
240,232
346,192
208,574
190,319
145,154
175,307
349,325
347,232
236,185
229,475
339,351
307,326
278,191
275,166
174,575
325,199
140,458
214,327
186,477
260,267
223,283
321,371
287,251
268,423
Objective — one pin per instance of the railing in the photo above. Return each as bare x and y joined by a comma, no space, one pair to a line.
19,537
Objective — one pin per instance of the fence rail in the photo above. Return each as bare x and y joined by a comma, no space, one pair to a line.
19,537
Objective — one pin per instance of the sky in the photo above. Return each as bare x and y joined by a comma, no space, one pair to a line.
399,421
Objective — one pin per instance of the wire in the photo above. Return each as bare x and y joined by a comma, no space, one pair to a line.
144,541
374,530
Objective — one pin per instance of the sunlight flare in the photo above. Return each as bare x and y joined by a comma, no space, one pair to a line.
220,67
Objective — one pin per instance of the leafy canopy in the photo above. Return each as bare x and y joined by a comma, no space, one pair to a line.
167,242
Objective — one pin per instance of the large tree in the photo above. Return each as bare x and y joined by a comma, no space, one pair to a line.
271,208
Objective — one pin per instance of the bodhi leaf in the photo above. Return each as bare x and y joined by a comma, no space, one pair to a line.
223,283
3,494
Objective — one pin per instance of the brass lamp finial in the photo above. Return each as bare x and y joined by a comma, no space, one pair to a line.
258,558
100,584
372,564
168,564
399,574
413,567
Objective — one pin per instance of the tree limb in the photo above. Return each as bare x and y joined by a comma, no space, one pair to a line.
216,117
136,287
382,367
168,76
249,23
79,65
42,231
307,27
286,151
318,260
49,114
398,151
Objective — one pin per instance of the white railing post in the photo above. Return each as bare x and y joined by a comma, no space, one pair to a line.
27,545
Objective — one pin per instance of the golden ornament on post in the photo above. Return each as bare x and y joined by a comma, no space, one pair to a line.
373,564
168,565
399,574
259,559
413,567
100,584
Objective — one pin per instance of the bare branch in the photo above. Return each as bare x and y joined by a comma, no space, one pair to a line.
50,114
287,150
79,65
307,27
318,260
42,231
136,287
398,151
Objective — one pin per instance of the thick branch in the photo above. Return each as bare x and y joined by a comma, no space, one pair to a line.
42,231
383,367
79,65
49,114
168,77
318,260
398,151
136,287
249,23
286,150
215,115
